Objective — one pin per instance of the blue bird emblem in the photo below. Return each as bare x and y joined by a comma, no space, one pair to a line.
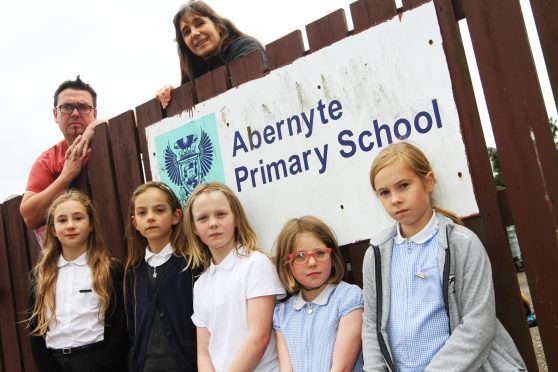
193,160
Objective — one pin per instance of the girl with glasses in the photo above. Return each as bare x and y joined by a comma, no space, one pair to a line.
319,327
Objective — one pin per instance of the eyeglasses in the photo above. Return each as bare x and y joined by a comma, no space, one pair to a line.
68,108
320,254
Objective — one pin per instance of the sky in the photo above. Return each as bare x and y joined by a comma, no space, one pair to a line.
125,49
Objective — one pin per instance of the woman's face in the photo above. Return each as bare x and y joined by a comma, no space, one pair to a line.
200,35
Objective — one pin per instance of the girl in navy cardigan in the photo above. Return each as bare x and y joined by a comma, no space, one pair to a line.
158,282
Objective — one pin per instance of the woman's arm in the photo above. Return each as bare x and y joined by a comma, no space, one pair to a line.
348,342
204,360
284,359
260,315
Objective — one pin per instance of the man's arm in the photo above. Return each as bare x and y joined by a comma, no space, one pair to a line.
82,144
34,205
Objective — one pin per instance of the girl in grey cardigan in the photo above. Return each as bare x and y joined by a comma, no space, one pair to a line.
429,298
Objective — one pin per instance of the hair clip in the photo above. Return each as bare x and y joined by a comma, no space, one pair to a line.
421,275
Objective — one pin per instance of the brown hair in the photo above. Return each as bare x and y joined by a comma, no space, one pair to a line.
244,234
286,240
45,273
178,237
412,157
192,66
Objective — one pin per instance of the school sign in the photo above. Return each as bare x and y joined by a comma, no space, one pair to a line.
301,140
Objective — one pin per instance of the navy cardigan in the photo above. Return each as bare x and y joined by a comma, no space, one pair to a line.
174,297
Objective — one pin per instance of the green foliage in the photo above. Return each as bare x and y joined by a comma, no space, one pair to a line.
554,129
496,169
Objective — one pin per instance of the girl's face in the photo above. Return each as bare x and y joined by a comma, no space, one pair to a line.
154,217
200,35
214,223
313,274
405,196
72,228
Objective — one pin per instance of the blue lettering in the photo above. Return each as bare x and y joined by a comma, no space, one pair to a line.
348,142
240,174
238,143
396,127
428,122
335,106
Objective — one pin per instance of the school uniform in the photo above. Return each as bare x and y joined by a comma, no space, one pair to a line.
77,340
220,305
310,328
458,273
159,306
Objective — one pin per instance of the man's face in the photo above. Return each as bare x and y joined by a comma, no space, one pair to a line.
74,123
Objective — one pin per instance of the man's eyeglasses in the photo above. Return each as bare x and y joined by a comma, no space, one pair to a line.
320,254
68,108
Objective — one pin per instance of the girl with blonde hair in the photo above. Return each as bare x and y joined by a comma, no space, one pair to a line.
77,320
235,296
428,292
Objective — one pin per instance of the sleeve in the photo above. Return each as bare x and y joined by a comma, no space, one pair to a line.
116,333
130,305
262,277
469,344
44,360
373,358
351,300
277,316
198,316
40,177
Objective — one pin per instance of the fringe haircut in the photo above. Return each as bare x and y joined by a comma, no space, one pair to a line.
286,241
412,157
244,234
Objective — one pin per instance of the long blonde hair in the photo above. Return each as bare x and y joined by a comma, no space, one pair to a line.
45,273
412,157
244,234
286,240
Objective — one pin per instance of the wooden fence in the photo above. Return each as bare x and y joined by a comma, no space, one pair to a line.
520,125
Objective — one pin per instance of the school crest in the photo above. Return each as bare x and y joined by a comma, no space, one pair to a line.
188,161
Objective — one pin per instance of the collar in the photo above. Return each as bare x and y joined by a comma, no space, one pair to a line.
423,235
228,262
156,259
80,261
321,300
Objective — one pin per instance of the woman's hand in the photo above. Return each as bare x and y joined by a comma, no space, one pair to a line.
164,95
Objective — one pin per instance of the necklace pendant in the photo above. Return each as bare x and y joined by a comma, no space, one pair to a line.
155,272
310,310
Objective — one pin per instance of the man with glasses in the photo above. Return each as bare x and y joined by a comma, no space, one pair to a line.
55,169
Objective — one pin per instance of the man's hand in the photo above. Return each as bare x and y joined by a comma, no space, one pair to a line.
82,144
164,95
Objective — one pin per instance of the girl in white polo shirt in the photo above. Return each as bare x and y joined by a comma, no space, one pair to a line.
234,298
77,321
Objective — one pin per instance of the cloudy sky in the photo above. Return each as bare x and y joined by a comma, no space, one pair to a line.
124,48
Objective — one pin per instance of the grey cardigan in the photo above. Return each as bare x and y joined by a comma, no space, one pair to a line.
478,341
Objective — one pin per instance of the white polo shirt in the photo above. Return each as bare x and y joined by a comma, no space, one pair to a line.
220,305
77,305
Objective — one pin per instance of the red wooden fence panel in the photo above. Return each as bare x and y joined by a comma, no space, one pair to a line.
327,30
545,13
20,267
104,192
126,156
488,226
212,84
368,13
183,98
527,155
285,50
246,68
11,352
146,114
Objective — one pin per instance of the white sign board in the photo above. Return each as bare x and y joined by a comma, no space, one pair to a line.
301,140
